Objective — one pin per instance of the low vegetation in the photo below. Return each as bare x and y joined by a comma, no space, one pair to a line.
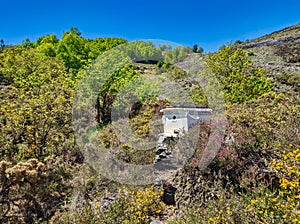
43,177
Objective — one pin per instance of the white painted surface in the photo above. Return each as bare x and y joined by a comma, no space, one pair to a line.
179,120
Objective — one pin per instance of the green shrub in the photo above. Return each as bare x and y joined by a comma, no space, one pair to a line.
240,80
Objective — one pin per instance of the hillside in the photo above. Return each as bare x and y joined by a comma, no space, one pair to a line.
64,99
278,52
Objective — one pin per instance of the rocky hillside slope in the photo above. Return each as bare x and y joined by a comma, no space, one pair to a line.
278,52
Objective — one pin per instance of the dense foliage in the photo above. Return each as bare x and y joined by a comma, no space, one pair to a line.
239,78
37,142
253,179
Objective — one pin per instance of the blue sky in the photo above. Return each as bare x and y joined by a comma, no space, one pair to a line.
207,23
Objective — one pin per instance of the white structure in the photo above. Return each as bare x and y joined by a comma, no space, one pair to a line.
177,121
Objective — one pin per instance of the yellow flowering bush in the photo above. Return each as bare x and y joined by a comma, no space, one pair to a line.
145,203
283,204
223,216
136,206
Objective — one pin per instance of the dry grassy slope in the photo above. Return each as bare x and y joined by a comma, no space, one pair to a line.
278,52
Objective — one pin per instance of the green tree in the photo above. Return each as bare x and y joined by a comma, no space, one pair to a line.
240,79
197,49
143,51
71,50
47,45
2,45
99,45
27,43
177,54
109,91
78,52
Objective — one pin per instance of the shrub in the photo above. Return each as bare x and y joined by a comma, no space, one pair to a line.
31,191
281,205
131,206
240,79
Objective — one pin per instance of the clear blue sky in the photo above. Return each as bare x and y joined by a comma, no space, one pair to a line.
208,23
